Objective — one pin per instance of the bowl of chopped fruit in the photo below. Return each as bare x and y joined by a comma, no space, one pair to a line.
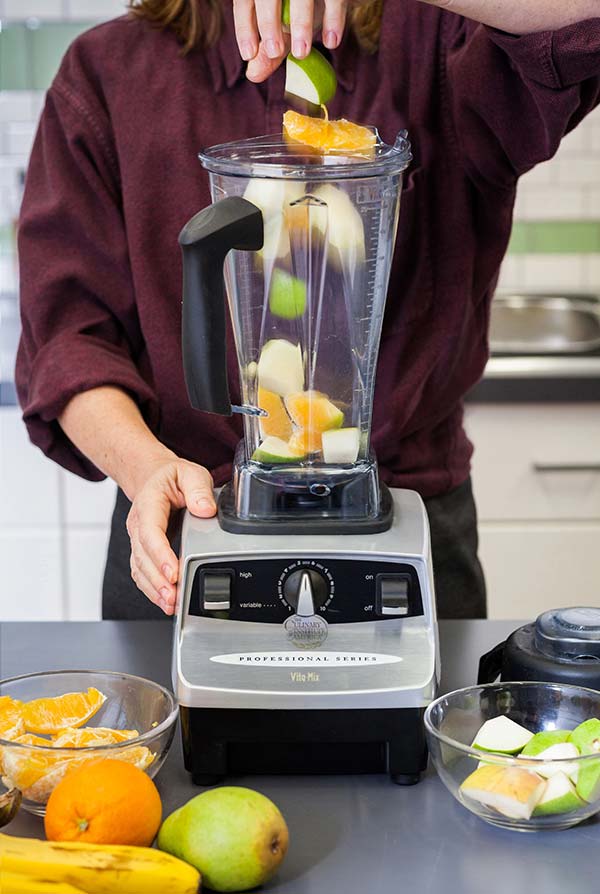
524,756
52,722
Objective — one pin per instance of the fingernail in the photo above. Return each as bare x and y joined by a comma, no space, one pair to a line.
299,49
205,503
168,572
272,48
165,592
247,50
330,39
161,604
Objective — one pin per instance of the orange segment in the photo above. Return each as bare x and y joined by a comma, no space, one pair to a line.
277,423
313,411
50,715
25,767
328,136
11,718
91,735
305,441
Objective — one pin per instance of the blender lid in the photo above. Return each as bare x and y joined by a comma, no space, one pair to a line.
273,157
569,634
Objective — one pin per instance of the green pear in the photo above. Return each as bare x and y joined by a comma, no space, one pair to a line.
588,780
586,736
559,797
544,740
235,837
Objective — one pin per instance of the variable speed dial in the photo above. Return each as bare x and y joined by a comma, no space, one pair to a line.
306,582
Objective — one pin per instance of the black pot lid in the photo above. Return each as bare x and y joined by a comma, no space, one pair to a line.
569,634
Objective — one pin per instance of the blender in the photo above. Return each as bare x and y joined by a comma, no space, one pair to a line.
306,635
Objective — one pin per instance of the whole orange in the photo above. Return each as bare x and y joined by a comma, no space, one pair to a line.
104,802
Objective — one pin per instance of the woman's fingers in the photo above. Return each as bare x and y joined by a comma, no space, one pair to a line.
268,17
154,564
246,30
196,486
262,67
301,26
334,22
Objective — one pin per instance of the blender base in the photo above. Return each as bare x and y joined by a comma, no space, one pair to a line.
273,511
303,742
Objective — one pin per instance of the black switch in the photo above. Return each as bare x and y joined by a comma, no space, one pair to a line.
392,594
216,591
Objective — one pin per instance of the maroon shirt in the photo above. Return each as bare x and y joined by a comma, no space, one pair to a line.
114,176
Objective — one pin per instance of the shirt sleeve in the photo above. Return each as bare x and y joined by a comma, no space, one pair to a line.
80,327
512,98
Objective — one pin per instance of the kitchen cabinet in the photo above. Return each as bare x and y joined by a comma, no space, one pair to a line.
536,478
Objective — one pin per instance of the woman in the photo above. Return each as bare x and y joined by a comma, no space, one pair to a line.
113,177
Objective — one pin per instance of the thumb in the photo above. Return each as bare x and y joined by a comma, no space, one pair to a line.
262,66
196,485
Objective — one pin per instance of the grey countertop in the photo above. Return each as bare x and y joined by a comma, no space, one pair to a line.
348,834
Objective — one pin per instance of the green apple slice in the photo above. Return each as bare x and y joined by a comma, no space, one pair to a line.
588,780
280,367
287,295
562,752
275,450
285,13
511,791
586,736
340,445
559,797
544,740
312,79
502,735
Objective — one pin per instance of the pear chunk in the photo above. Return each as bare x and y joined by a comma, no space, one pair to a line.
502,735
544,740
560,752
559,796
511,791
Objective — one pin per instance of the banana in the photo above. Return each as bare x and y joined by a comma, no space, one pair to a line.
97,868
10,883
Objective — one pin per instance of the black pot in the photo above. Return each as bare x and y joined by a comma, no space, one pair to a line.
561,646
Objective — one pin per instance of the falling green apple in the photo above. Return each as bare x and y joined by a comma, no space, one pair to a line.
287,295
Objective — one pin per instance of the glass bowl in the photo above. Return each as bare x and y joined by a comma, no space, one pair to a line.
132,703
453,720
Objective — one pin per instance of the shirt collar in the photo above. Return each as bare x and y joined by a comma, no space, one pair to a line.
227,66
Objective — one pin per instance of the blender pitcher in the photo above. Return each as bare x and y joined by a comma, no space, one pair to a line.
302,245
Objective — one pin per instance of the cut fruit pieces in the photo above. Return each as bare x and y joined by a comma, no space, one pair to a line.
11,718
280,367
271,197
341,445
287,295
329,136
345,231
588,780
304,441
313,411
312,78
544,740
562,752
50,715
274,450
586,736
91,735
559,797
278,422
502,735
509,790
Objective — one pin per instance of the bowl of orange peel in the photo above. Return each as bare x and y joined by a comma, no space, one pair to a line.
53,723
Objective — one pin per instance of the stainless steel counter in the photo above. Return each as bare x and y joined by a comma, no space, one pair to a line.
357,833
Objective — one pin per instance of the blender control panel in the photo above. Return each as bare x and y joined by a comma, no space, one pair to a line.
342,591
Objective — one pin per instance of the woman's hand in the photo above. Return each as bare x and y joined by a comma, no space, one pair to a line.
264,43
172,484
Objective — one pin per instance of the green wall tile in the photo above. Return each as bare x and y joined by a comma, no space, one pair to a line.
14,70
49,44
556,237
29,57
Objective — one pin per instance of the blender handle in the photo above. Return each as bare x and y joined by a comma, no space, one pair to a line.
205,242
